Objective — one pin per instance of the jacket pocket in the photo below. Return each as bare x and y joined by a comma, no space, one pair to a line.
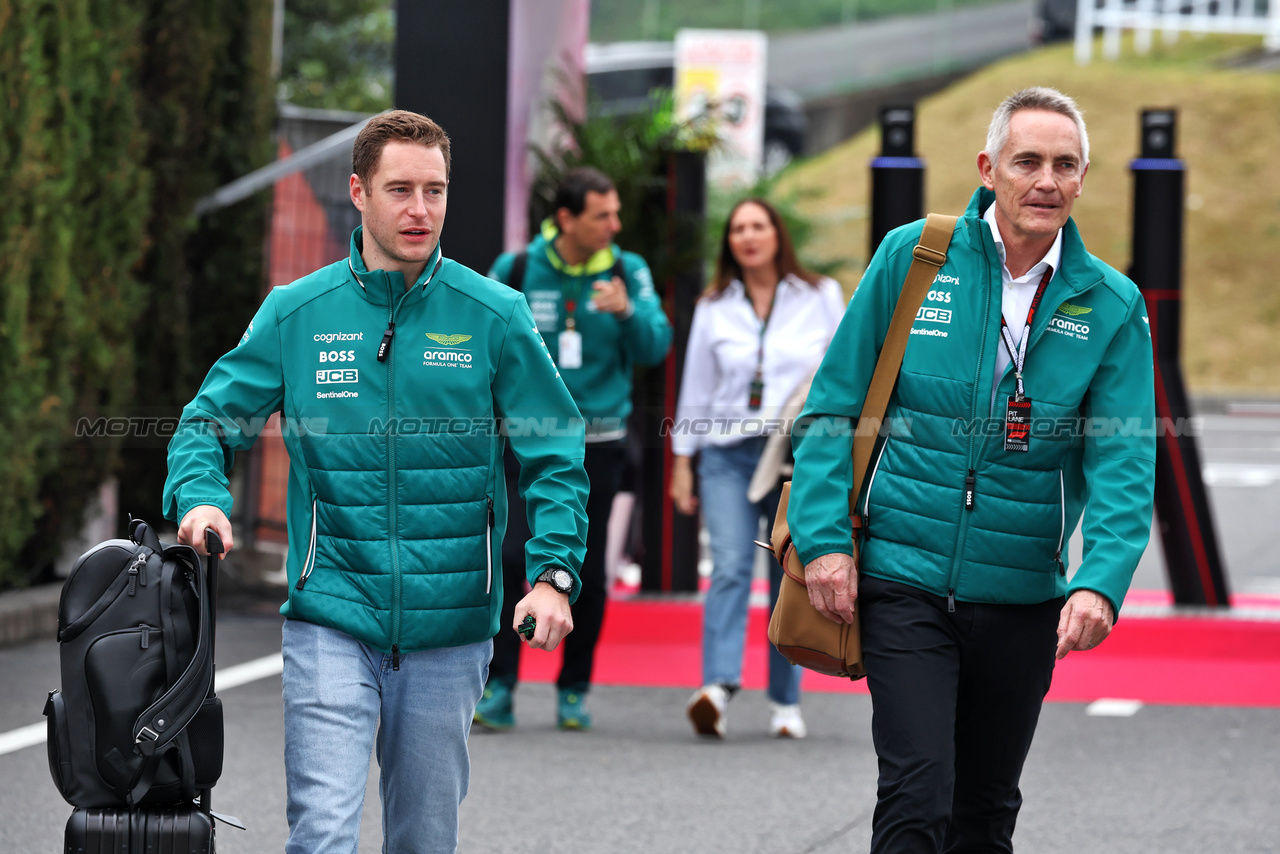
310,563
1062,527
871,481
488,547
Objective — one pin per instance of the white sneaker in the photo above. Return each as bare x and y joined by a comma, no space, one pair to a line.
786,722
706,709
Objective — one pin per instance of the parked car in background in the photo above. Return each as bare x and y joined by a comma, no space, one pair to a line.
622,76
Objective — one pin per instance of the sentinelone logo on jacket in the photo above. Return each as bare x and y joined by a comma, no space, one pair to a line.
451,358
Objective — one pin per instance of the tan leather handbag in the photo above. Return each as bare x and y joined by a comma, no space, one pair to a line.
800,633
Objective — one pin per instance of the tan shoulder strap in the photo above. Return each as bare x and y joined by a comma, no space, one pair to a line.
928,256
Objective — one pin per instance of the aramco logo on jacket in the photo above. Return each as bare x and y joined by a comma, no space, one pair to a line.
439,358
1073,328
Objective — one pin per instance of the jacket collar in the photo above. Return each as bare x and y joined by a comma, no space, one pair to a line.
381,287
600,262
1078,270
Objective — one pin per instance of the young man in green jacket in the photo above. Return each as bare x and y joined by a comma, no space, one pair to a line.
1025,400
398,374
599,317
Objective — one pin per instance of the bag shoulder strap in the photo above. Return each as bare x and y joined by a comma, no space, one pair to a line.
168,716
929,254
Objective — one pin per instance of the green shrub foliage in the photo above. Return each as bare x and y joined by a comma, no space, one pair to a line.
98,102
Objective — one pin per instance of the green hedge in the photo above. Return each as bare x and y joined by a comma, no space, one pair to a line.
99,99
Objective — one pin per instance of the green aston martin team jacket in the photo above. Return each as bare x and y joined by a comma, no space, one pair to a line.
947,508
396,503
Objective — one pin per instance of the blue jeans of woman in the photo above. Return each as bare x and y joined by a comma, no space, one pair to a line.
341,700
733,523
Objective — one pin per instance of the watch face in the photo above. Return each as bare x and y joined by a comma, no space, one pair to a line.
562,580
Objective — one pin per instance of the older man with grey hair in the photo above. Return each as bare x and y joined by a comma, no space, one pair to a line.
1015,415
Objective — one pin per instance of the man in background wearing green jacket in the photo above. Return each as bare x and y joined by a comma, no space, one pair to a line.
1025,401
397,373
596,309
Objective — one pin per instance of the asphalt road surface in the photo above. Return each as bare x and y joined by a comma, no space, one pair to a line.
891,50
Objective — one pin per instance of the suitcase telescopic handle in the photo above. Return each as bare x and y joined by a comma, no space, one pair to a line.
212,542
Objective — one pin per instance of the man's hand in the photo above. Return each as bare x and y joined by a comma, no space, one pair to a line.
191,530
833,586
681,491
550,609
612,297
1086,621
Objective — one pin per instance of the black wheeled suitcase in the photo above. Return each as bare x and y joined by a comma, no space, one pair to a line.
148,830
135,732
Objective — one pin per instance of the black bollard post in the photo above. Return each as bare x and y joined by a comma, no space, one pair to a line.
897,175
670,539
1192,560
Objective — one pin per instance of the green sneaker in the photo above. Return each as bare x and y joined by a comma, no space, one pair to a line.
495,709
571,710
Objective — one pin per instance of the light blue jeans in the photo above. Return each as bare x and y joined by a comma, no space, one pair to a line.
339,693
733,523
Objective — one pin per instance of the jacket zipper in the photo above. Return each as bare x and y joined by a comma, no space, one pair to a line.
866,502
310,563
392,505
488,548
970,481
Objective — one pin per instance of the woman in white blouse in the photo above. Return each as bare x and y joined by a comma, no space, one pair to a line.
758,332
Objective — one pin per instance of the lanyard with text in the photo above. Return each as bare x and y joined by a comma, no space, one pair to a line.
1017,416
757,384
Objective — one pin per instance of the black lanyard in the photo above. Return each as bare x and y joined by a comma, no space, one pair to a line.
756,396
1018,354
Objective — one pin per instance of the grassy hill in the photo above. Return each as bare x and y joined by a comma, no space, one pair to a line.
1228,136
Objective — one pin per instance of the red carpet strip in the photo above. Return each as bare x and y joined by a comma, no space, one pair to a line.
1168,658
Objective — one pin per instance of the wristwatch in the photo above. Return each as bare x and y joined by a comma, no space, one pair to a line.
560,579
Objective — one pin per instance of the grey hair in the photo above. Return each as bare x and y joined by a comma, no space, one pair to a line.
1034,98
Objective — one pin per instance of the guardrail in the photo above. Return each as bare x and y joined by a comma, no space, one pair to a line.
1172,17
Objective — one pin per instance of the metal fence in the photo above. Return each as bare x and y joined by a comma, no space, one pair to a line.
1172,18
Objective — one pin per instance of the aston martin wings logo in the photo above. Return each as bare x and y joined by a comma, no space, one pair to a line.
1073,310
448,340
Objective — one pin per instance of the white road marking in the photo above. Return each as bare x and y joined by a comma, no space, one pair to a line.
224,679
1110,708
250,671
1240,474
27,736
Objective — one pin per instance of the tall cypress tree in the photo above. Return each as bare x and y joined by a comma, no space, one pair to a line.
71,231
115,116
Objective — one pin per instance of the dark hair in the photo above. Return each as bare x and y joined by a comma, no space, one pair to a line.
727,268
574,186
400,125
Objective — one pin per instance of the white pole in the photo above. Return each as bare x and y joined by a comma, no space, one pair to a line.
1084,31
1272,40
1142,30
1111,33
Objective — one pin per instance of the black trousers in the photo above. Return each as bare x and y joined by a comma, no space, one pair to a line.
604,462
955,699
